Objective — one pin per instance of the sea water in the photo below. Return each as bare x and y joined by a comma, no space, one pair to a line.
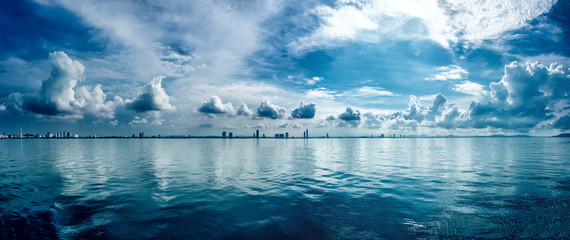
395,188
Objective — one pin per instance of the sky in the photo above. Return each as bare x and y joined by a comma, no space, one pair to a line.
345,67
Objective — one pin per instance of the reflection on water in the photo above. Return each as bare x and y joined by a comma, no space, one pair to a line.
285,188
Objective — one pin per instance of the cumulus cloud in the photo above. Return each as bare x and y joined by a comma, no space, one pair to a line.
153,98
215,106
522,98
92,100
304,111
243,110
527,96
351,114
61,97
268,110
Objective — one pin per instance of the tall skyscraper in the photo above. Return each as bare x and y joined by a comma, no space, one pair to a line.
257,133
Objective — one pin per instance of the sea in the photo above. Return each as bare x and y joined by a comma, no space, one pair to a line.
330,188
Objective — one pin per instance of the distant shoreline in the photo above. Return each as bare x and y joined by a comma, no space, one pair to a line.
248,137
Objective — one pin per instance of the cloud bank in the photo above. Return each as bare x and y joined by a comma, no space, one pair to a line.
529,95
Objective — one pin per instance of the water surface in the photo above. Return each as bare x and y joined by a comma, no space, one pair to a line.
285,188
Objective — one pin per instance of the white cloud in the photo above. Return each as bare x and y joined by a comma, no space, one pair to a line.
114,122
152,118
320,93
470,88
243,110
60,97
313,80
451,72
153,98
269,110
443,22
215,106
92,100
368,92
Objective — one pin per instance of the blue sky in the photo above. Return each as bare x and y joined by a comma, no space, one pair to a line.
342,67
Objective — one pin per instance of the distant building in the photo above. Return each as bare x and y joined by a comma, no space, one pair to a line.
286,135
382,135
231,134
257,133
141,135
306,133
327,135
224,134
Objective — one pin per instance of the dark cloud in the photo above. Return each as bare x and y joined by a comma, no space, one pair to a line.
215,106
268,110
153,98
351,114
305,111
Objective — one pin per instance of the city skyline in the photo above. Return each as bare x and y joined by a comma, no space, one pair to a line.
348,68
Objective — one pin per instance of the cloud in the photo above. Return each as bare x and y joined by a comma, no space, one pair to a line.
368,92
451,72
443,22
153,98
287,125
114,122
60,97
152,118
313,80
2,107
470,88
522,98
243,110
92,100
304,111
268,110
215,106
322,93
57,95
351,114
